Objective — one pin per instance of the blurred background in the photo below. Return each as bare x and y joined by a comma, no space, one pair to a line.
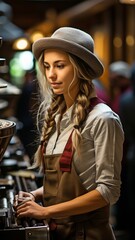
111,23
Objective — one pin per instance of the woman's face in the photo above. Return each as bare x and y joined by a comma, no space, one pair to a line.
60,73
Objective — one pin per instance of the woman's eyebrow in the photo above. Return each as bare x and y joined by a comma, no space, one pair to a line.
57,61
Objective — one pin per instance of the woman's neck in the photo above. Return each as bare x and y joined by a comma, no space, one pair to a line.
70,99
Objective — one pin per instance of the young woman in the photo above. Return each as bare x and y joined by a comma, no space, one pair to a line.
81,141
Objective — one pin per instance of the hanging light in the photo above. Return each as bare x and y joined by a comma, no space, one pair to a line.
8,30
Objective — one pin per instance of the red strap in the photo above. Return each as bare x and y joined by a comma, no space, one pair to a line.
95,101
66,157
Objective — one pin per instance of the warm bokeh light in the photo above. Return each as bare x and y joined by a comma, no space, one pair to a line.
21,44
117,42
35,36
130,40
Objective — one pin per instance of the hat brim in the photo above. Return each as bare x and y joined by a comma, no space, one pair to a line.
87,56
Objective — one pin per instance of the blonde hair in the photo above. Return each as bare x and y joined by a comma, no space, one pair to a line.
52,104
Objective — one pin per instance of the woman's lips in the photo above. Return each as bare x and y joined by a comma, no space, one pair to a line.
55,84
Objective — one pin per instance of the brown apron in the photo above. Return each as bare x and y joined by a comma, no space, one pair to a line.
61,184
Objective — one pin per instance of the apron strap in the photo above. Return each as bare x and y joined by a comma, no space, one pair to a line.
66,157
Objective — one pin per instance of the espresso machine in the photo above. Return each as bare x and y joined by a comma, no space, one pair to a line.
15,178
7,128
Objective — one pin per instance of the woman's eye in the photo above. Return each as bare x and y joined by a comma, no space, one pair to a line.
60,66
46,66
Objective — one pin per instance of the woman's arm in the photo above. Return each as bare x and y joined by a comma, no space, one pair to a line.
82,204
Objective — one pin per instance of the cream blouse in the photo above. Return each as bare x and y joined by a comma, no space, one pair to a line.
99,164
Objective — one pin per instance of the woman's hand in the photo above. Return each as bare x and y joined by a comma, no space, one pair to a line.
30,209
21,197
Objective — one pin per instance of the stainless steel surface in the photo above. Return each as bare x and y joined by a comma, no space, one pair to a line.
37,233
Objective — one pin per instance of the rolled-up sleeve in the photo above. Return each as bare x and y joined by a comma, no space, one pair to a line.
108,143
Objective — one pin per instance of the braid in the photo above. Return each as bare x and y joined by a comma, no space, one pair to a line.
81,111
48,125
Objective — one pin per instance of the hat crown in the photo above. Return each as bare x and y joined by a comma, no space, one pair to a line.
72,41
75,36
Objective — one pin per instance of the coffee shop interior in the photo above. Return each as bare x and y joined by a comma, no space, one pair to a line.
111,23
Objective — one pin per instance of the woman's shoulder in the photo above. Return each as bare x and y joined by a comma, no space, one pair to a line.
102,120
102,112
102,109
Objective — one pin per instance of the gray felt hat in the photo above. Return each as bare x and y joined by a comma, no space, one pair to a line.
74,41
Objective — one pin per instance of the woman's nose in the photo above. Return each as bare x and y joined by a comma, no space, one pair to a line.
52,73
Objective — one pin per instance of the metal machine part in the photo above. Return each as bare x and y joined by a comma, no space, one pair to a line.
10,226
7,130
